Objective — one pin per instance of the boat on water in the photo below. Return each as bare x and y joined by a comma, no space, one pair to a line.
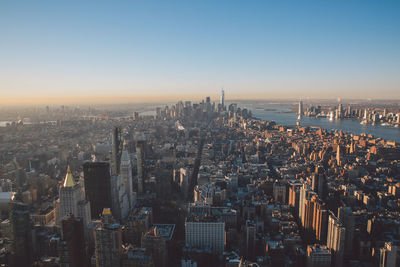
321,116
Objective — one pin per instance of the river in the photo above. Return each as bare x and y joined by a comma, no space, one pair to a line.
281,115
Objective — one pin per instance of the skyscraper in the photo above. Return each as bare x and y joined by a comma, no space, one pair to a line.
108,241
184,182
340,111
97,186
305,194
126,175
294,195
279,192
346,217
338,156
116,150
300,111
72,200
21,235
120,204
223,99
73,251
250,238
140,154
336,239
318,180
320,221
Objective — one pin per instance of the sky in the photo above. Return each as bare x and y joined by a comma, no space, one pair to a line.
136,50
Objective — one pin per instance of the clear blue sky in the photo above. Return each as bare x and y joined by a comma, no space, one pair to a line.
252,48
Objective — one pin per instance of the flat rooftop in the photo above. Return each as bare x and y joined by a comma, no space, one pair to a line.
165,230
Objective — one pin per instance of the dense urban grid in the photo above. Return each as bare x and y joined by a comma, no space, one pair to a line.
196,184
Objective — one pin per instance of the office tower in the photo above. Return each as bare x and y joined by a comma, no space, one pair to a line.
108,241
279,192
336,239
140,157
346,217
72,199
223,99
156,246
300,111
119,198
340,111
126,175
205,231
184,182
21,235
97,186
250,238
338,156
389,255
116,150
318,256
208,105
73,250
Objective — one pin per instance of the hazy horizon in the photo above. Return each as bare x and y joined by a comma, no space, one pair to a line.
172,99
147,50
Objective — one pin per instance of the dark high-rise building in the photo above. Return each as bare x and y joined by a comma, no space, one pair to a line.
97,186
21,235
140,155
116,151
73,251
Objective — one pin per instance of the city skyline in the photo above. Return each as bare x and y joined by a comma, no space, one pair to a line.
147,50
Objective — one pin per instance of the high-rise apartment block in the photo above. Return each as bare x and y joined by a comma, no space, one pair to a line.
336,239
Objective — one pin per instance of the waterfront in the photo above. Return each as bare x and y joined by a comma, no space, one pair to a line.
281,115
